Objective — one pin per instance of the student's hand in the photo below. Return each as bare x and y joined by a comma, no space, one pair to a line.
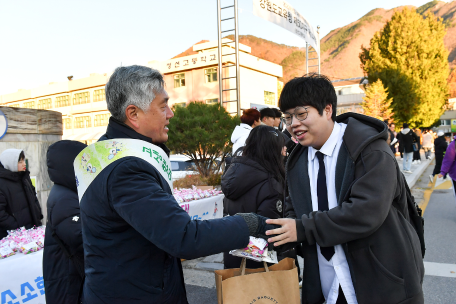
285,234
440,175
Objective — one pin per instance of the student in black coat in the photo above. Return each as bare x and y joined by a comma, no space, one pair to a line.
19,206
63,257
254,183
440,146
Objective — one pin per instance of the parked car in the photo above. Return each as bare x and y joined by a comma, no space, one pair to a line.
182,166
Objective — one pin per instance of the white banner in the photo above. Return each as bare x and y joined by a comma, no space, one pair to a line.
21,279
205,209
284,15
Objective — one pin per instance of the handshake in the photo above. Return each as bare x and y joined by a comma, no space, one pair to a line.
280,239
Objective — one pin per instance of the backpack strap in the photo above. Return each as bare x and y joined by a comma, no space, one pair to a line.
415,215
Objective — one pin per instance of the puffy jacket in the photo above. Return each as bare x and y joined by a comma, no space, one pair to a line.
248,187
19,206
239,136
62,275
406,138
135,233
440,146
448,163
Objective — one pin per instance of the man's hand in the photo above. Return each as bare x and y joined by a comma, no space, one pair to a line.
440,175
286,233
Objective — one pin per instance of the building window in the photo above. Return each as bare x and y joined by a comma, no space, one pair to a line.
179,80
29,105
99,95
82,122
17,105
101,120
269,98
81,98
445,122
180,104
212,101
66,122
62,101
211,74
44,104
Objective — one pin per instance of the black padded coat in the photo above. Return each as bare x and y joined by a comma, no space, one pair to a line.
62,278
248,187
19,206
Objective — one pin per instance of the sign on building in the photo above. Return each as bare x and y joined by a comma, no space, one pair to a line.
453,125
284,15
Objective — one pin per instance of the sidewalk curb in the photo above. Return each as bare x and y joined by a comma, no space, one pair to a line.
418,174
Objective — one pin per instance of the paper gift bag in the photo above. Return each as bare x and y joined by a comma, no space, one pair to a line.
277,284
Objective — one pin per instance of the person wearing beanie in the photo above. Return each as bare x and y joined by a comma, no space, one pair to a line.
407,138
440,146
19,206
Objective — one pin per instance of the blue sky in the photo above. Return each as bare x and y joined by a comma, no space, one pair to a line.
47,40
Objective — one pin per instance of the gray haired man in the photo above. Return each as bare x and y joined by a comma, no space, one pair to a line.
134,231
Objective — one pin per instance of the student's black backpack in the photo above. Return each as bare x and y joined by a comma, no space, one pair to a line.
416,217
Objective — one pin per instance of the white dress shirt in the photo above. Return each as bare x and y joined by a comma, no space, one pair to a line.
334,272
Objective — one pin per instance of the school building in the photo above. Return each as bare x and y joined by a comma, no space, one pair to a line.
190,78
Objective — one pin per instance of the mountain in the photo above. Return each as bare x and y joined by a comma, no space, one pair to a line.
341,47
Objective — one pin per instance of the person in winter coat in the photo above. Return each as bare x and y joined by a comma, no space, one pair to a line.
440,146
427,144
353,223
63,257
250,119
134,232
448,163
255,181
407,138
417,154
19,206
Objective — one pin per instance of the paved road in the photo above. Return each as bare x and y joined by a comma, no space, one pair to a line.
439,231
440,261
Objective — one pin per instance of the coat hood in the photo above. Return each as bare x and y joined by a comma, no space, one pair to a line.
405,131
361,130
60,157
243,175
243,130
13,176
9,159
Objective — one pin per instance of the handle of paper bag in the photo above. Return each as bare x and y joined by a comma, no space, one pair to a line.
244,262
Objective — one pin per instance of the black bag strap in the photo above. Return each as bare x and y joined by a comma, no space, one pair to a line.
73,258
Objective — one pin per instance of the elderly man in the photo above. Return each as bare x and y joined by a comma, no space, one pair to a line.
134,232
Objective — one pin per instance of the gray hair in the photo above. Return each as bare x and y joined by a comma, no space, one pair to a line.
132,85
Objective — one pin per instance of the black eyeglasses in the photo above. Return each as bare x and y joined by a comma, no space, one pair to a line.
300,113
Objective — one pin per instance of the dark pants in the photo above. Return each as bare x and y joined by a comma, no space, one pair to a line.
438,164
416,154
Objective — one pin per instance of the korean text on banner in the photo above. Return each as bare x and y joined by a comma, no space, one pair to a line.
284,15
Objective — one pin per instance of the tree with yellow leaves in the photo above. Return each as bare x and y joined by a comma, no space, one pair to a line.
376,103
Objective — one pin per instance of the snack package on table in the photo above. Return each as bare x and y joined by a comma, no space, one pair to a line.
6,251
256,250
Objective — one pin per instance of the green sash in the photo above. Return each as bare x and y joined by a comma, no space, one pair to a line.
96,157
